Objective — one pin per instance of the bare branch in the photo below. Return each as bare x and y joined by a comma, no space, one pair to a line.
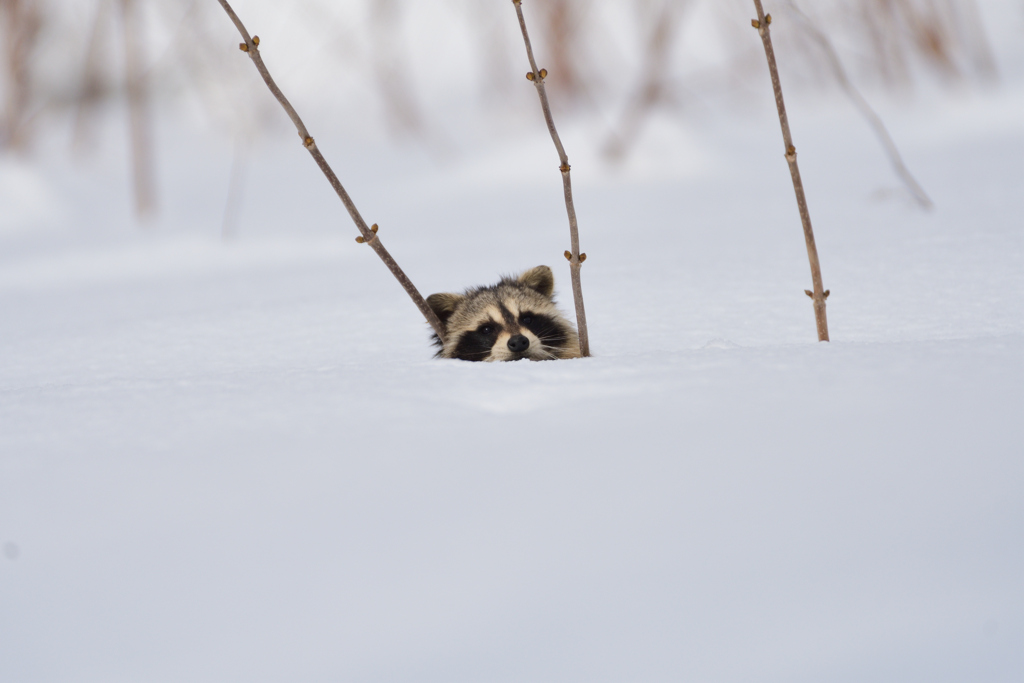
819,294
865,109
575,258
368,235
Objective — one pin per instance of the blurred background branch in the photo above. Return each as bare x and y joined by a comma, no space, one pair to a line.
64,63
22,21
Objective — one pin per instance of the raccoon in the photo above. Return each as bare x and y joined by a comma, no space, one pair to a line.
516,318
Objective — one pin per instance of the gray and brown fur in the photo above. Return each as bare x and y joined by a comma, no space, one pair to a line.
514,319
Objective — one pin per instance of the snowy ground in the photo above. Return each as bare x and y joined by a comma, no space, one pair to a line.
237,461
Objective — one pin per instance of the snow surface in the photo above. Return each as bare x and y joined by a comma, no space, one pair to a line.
235,460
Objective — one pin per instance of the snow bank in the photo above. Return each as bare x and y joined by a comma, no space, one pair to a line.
237,460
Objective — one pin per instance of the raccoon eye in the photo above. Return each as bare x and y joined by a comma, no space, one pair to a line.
486,328
526,319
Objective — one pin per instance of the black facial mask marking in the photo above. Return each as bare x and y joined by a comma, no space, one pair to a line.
547,330
477,344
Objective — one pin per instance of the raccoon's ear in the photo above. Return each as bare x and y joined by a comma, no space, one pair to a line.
539,279
443,305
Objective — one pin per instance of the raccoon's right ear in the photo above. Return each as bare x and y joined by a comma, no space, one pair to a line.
443,305
540,280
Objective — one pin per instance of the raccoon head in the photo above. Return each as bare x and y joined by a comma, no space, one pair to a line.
516,318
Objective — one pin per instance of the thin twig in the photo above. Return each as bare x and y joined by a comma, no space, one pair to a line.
819,294
575,258
367,234
873,119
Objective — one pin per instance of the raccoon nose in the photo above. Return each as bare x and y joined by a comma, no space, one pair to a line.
518,344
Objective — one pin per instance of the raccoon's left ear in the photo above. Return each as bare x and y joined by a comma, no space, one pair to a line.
443,305
539,279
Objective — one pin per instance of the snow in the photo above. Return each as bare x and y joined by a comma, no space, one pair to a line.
237,460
